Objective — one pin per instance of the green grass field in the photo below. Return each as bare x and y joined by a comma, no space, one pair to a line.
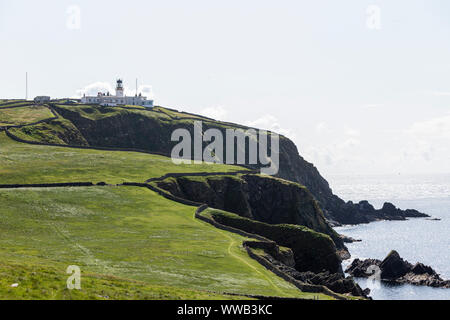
14,103
24,115
125,232
178,115
45,282
24,164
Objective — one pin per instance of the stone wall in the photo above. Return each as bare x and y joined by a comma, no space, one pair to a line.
47,185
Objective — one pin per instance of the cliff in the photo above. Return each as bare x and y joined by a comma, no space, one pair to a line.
261,198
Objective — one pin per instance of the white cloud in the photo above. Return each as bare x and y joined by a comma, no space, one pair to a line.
437,128
373,105
94,88
429,140
352,132
439,93
271,123
321,127
348,144
217,113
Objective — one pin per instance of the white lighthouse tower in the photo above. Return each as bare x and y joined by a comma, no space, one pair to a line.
119,88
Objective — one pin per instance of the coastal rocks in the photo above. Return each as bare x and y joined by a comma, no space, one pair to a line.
394,267
364,212
348,239
336,282
397,270
390,212
362,268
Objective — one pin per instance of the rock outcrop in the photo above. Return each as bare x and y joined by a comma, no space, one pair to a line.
364,212
336,282
395,269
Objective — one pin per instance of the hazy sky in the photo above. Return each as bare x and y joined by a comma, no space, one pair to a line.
360,86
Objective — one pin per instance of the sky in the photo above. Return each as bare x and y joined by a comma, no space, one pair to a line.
361,87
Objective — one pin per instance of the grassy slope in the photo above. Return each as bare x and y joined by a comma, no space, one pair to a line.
94,112
127,232
54,132
24,163
47,282
11,103
24,115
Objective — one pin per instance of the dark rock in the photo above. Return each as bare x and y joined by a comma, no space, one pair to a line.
393,266
420,268
365,207
343,254
411,213
347,239
358,268
396,270
389,209
334,281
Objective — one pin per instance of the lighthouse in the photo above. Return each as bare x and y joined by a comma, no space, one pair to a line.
106,99
119,88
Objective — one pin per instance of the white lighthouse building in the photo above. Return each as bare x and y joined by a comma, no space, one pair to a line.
106,99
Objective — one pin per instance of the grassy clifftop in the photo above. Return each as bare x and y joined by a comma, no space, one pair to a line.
24,115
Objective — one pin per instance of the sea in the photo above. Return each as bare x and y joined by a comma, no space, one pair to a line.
416,240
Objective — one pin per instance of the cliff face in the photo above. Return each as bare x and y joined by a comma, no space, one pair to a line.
151,130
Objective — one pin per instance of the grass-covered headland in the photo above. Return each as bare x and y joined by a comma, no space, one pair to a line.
129,241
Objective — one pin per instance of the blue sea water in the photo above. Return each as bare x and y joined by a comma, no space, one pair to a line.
416,240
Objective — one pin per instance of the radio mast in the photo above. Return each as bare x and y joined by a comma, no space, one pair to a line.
26,85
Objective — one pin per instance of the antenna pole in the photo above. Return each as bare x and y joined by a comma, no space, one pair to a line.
26,85
136,87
